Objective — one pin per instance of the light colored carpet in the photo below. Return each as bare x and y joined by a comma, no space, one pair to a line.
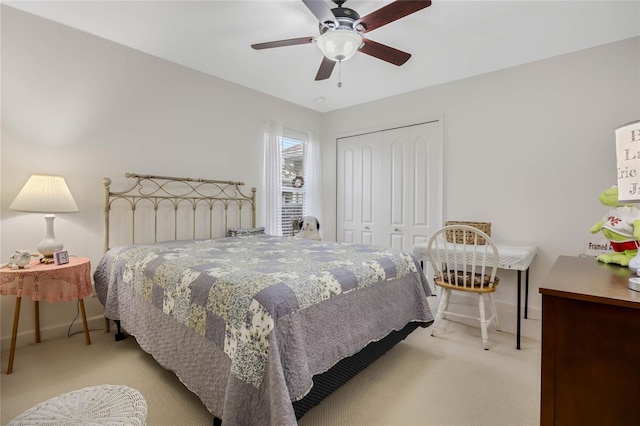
444,380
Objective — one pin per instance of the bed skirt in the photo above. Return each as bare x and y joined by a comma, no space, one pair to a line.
325,383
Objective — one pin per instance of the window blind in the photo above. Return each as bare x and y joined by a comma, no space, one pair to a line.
293,174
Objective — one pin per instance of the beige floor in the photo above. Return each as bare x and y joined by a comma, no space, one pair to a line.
444,380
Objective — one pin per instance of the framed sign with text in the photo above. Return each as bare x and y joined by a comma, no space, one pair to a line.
628,158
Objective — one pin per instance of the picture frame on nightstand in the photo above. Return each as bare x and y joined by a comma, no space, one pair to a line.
61,257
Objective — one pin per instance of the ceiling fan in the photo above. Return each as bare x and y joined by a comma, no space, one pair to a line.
341,31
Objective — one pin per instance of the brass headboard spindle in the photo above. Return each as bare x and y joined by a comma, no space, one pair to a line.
210,219
105,236
226,216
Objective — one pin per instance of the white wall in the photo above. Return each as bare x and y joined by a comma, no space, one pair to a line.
527,148
86,108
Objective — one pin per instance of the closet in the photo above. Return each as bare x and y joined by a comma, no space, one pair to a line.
390,186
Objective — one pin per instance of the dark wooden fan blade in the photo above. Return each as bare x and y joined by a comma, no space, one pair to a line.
386,53
320,10
391,12
281,43
326,68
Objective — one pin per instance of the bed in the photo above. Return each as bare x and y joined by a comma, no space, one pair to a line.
261,328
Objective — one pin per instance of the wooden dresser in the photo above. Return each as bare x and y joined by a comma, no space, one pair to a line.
590,345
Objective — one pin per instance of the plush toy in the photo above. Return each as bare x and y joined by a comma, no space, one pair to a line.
309,228
621,226
20,260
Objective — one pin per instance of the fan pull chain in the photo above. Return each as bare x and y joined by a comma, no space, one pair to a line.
339,73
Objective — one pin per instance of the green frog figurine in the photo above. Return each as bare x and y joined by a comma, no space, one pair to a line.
621,226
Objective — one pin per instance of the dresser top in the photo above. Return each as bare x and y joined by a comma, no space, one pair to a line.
590,280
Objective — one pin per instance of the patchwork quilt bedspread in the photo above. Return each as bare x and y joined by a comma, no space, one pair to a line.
276,310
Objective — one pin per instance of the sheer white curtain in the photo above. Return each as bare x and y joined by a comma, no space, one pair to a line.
272,178
313,179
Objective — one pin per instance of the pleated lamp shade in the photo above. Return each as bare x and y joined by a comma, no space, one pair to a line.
45,194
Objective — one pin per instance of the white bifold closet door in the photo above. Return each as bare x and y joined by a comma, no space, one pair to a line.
389,186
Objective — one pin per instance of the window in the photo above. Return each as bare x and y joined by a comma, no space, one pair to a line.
291,177
294,147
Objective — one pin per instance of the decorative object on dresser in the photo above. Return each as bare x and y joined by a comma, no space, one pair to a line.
621,226
628,161
628,179
260,319
590,345
46,194
468,264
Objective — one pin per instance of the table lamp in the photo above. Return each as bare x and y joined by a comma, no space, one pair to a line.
46,194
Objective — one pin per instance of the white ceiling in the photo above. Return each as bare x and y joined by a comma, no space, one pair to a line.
449,40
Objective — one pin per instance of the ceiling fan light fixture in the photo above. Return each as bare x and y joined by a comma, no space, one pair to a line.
339,45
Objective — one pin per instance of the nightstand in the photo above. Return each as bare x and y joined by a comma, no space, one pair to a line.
53,283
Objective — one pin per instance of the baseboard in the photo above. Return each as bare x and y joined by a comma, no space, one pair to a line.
27,337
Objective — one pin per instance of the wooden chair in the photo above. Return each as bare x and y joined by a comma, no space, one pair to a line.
465,259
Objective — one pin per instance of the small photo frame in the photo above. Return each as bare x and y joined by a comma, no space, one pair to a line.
61,257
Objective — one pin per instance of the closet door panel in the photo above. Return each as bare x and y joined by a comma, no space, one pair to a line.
397,198
429,184
421,182
358,188
349,197
365,181
396,175
396,186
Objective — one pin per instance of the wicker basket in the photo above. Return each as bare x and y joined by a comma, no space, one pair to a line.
483,226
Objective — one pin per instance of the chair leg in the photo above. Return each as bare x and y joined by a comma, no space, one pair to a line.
444,302
483,322
494,311
447,295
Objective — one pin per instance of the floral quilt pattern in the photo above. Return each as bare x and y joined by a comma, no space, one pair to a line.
234,290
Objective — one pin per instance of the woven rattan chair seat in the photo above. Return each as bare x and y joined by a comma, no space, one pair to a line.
461,279
463,282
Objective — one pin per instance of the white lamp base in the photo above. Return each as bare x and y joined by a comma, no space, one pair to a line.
50,244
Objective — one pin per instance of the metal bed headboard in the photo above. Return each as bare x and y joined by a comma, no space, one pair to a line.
178,192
